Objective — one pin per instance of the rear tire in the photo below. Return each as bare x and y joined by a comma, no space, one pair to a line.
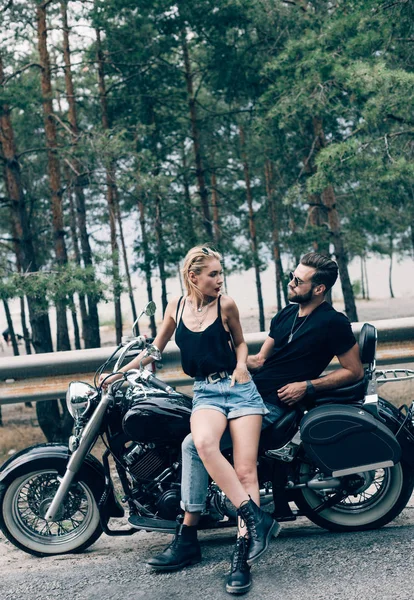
386,494
24,502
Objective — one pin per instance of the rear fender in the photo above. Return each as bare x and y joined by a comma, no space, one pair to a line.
394,419
56,455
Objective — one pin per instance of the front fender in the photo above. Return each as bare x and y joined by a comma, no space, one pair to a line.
56,456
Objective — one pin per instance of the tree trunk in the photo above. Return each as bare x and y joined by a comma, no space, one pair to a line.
75,326
90,319
217,233
76,252
252,230
10,327
21,231
329,202
160,251
391,254
147,262
318,219
25,331
366,277
180,279
190,233
112,194
328,197
363,294
200,172
54,420
214,202
126,267
275,220
53,170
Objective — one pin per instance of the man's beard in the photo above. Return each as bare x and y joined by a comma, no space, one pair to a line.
302,298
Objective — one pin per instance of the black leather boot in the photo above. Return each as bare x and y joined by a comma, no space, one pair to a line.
260,525
184,550
239,580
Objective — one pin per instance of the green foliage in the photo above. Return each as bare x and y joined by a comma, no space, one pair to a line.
53,286
323,92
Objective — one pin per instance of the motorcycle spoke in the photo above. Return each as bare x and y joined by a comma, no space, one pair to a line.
369,494
33,499
61,529
75,522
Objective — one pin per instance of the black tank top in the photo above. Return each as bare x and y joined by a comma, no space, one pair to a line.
205,352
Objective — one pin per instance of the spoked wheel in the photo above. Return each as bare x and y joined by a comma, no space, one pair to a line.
383,494
23,506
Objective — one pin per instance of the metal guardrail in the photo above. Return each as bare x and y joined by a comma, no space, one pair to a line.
46,376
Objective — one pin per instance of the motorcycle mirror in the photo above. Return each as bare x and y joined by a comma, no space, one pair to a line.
148,310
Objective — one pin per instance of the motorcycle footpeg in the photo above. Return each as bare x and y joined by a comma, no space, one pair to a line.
152,524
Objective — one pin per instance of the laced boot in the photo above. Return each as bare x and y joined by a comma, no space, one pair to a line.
260,526
184,550
239,580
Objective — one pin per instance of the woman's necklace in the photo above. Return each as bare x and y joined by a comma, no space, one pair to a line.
292,333
197,312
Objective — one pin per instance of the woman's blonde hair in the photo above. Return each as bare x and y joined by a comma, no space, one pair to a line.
196,260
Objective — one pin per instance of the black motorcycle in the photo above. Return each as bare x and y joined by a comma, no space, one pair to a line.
350,468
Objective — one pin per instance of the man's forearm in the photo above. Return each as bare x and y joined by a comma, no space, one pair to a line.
336,379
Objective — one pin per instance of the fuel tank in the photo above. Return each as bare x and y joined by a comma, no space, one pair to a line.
155,416
342,440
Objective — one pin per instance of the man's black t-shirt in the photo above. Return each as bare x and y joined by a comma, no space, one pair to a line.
325,333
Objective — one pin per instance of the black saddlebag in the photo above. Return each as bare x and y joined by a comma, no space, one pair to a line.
342,440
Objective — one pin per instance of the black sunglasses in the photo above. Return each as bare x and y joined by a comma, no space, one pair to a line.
295,279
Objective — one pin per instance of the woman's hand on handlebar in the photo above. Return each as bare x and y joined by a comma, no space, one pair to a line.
106,379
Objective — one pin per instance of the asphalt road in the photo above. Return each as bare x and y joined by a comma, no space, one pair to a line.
304,563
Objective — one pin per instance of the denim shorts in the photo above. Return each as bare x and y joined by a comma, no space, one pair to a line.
238,401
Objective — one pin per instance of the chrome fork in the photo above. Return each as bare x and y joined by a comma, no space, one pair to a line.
75,462
87,439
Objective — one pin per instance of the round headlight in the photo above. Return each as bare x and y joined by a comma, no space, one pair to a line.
78,398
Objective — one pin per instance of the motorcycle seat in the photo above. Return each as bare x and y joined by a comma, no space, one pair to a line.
280,433
355,393
351,394
367,343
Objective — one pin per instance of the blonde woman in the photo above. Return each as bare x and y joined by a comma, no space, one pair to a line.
214,353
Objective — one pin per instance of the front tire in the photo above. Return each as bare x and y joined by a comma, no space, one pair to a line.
24,502
385,494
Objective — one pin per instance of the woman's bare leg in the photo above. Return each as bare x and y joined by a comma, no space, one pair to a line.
207,427
245,434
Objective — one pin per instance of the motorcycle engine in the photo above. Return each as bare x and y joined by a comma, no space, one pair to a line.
143,461
156,478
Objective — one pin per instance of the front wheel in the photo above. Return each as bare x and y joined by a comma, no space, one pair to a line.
381,498
24,503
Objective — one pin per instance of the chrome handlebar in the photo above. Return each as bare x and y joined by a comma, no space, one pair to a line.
139,341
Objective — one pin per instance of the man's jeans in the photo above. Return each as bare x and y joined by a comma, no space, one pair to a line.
194,478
